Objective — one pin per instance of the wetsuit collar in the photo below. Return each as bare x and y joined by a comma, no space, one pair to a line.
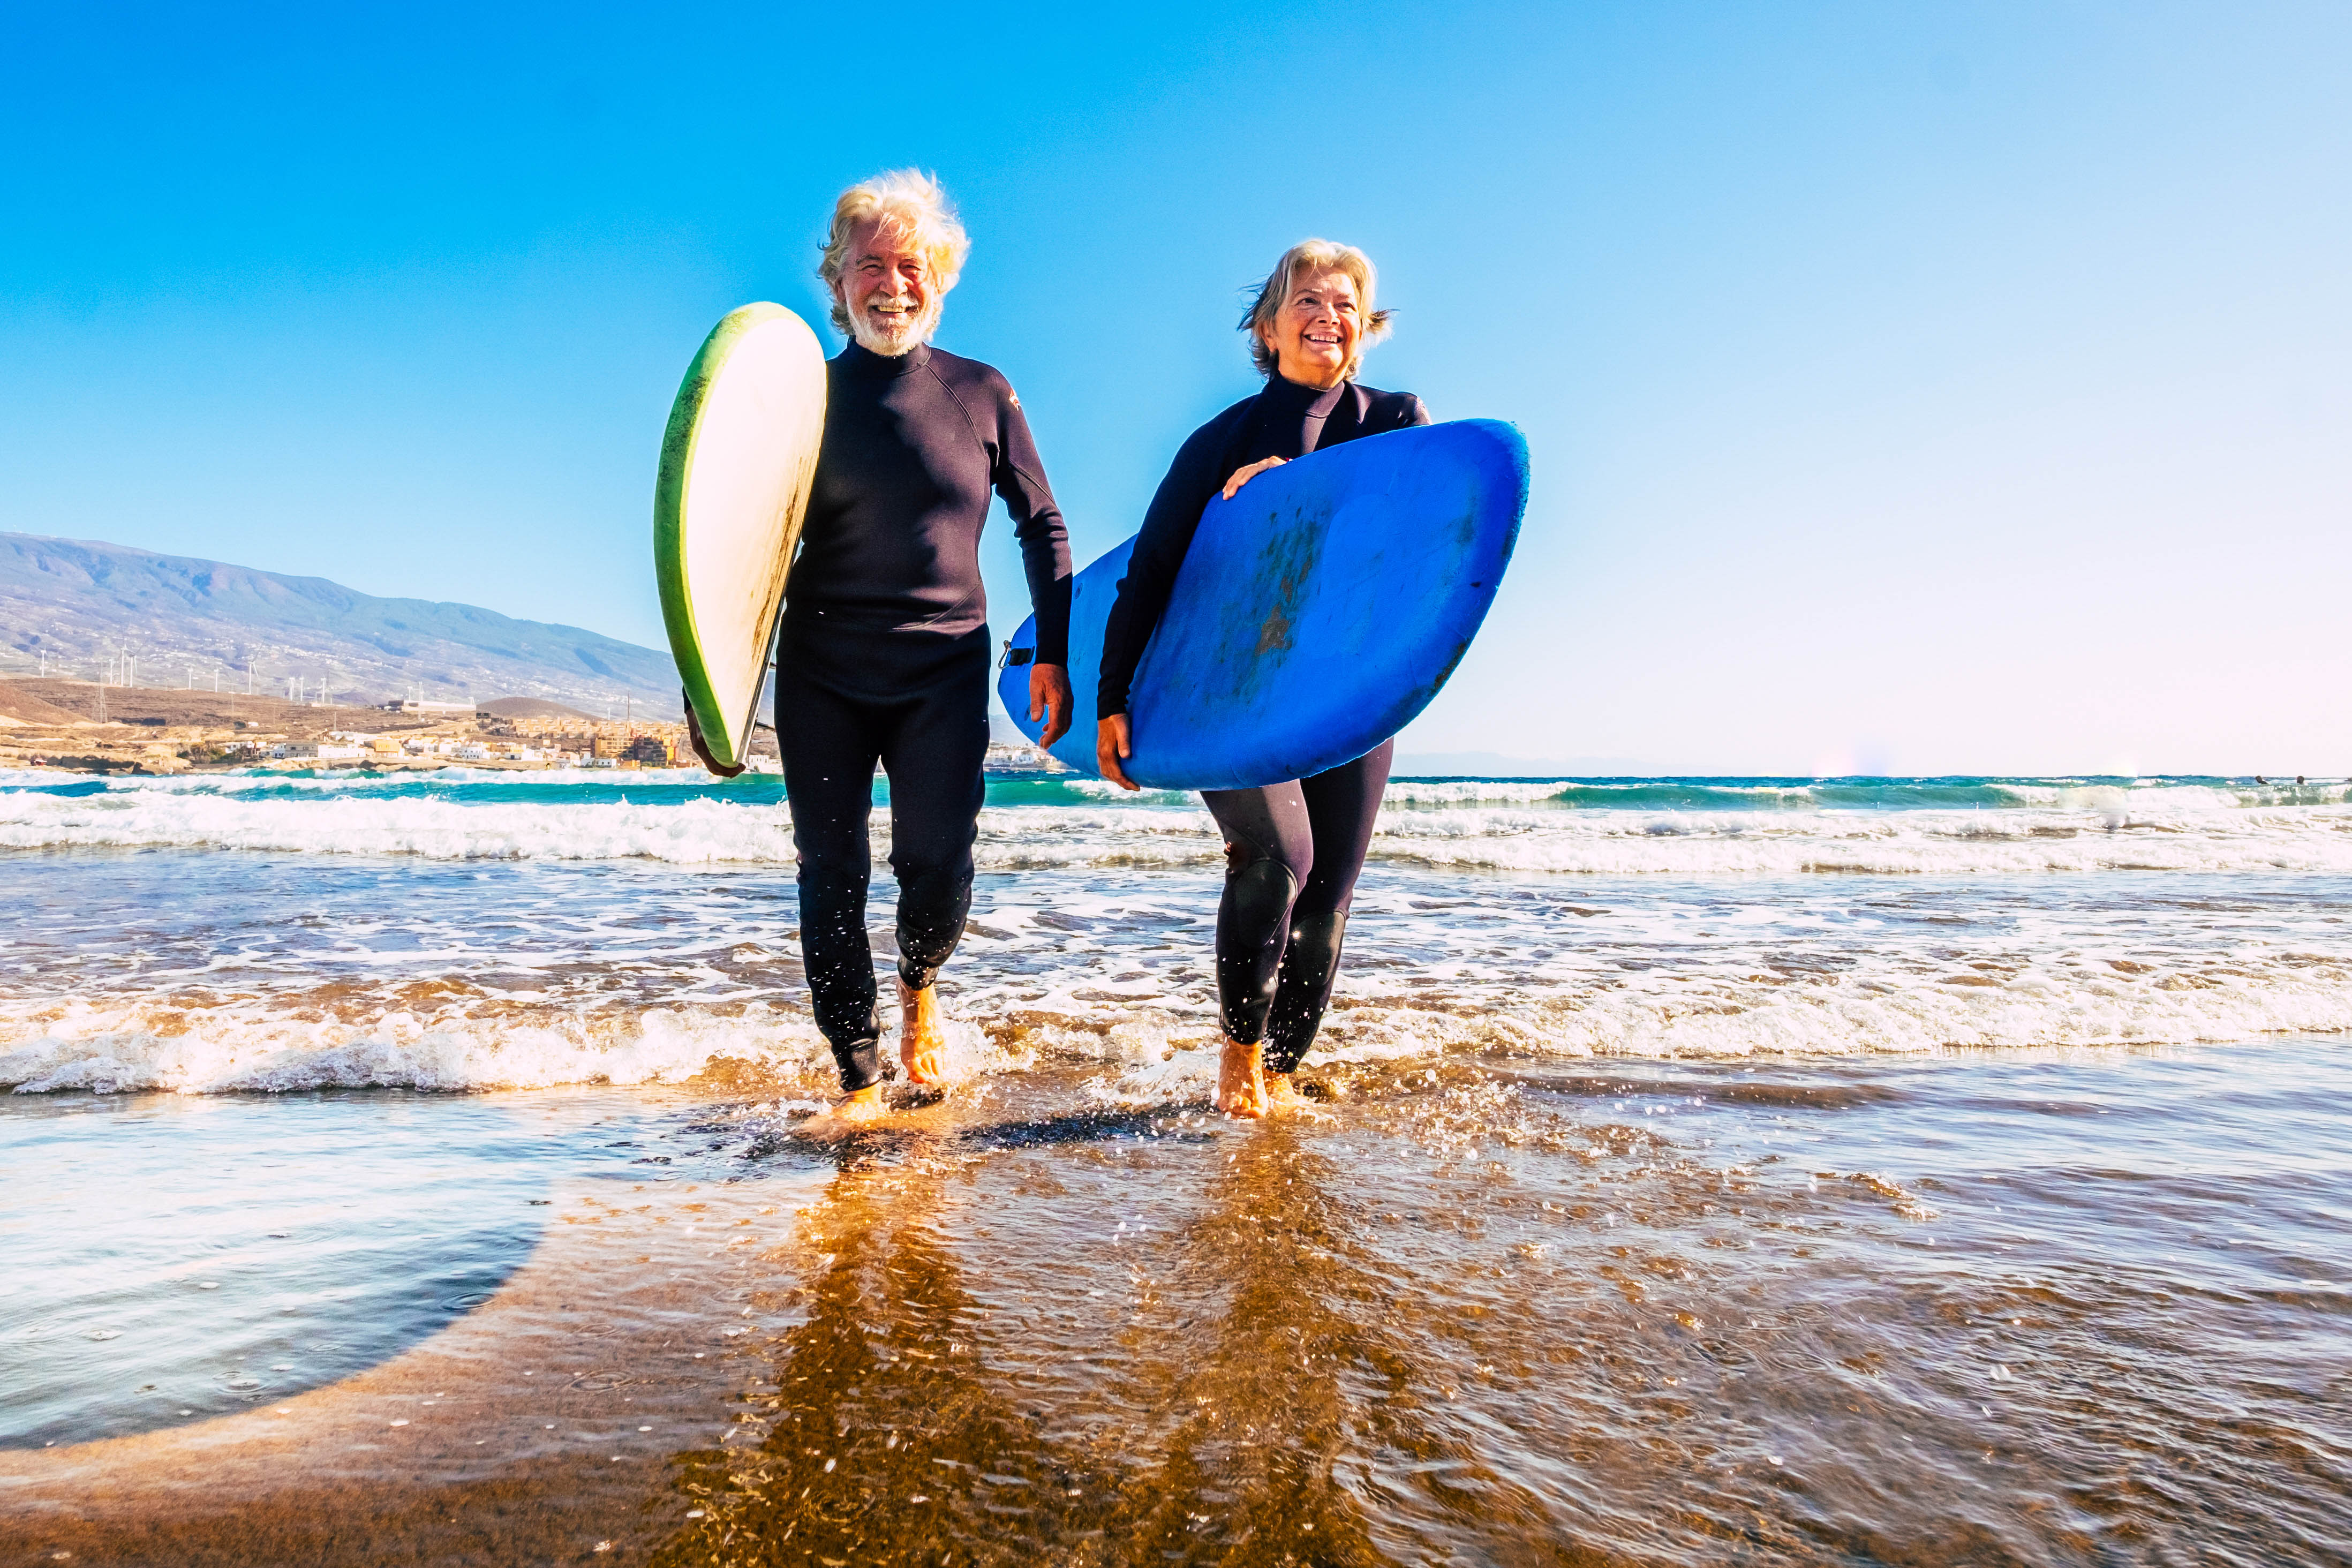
865,361
1284,393
1313,407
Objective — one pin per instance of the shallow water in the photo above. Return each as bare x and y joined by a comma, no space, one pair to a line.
176,1258
2004,1313
2070,1306
1738,1171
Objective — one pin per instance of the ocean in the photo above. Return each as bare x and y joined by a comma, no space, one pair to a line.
1760,1169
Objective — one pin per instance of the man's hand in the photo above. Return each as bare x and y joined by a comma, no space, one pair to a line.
1113,741
701,747
1049,698
1243,476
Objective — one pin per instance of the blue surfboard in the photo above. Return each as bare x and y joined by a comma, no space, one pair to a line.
1316,612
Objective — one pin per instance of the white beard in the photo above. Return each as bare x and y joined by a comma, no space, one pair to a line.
911,332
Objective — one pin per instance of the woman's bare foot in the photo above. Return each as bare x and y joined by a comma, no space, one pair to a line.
1241,1080
1283,1098
860,1106
922,1044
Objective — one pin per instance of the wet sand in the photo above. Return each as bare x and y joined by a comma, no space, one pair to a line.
519,1433
2077,1308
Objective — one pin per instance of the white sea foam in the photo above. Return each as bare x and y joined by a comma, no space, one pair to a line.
244,1048
1856,1020
2090,829
632,981
1682,929
693,832
1162,1047
1727,1018
1938,842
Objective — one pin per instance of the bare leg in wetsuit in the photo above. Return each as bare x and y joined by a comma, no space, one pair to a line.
1293,852
931,741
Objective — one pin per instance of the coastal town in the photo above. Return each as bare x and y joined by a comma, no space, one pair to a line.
87,727
81,726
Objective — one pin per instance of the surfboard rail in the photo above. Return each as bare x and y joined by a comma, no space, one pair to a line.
736,460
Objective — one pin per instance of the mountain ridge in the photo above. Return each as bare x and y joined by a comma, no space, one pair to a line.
75,605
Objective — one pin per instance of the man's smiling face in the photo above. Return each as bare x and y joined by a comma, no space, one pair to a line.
886,287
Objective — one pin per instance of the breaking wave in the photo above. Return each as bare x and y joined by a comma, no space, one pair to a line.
1144,1048
1656,827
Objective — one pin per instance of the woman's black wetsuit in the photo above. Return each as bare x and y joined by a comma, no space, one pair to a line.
1292,850
885,657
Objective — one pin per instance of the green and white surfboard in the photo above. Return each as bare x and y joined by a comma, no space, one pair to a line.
736,465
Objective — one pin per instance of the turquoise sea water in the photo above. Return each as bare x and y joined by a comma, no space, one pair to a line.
1022,788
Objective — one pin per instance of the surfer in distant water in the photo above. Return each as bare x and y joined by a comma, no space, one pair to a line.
885,654
1293,850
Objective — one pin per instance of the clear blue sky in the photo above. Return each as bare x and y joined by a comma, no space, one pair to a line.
1911,386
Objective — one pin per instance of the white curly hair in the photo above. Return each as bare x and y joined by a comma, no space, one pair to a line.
911,201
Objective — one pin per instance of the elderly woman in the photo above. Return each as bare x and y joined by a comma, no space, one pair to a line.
1293,850
885,651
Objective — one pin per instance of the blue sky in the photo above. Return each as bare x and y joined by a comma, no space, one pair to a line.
1910,387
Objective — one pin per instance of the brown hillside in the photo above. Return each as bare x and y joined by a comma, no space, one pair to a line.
173,706
21,705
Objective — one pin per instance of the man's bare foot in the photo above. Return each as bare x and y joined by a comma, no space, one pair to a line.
922,1043
1241,1080
1283,1098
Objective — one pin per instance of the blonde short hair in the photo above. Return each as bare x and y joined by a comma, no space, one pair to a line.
1315,256
907,199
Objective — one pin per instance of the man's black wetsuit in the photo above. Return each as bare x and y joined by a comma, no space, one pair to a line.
884,656
1293,850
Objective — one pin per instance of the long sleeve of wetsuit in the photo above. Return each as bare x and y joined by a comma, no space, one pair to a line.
1174,515
1284,421
1019,477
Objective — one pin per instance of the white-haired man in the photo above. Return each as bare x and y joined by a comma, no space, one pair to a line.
885,655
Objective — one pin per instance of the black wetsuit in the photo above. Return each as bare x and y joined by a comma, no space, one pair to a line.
885,657
1292,851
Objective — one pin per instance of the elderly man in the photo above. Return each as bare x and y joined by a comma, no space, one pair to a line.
885,654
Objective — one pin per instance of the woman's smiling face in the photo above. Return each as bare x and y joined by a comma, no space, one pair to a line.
1316,330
